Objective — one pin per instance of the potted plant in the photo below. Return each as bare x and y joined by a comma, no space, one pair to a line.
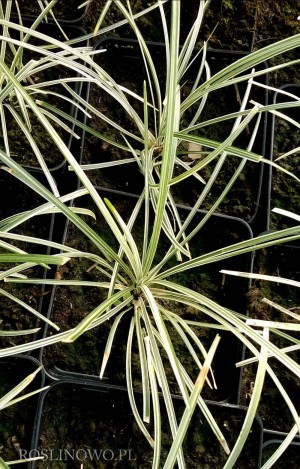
106,167
137,279
58,360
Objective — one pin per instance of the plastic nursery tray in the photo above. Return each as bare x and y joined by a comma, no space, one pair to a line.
78,424
121,57
283,190
20,147
83,358
17,421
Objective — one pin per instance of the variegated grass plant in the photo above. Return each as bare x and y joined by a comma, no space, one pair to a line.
137,284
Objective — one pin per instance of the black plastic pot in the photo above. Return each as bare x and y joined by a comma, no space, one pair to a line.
88,425
82,358
283,190
17,421
121,58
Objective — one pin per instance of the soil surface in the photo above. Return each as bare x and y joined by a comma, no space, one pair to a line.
290,458
88,423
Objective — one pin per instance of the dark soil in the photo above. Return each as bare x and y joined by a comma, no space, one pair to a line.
80,420
21,149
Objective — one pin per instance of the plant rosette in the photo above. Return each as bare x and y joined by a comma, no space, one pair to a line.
59,100
68,306
113,167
